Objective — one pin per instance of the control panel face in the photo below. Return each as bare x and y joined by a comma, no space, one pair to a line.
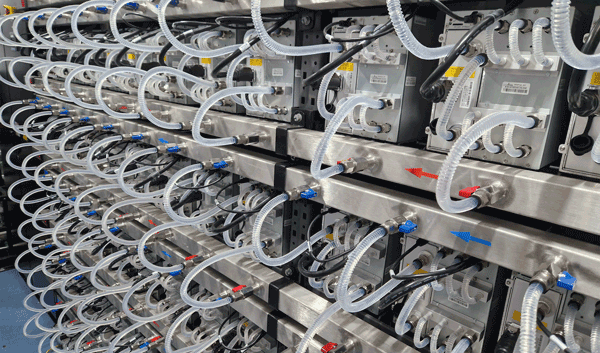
514,84
383,70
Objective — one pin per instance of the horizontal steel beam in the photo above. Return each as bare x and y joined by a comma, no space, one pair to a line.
514,246
538,195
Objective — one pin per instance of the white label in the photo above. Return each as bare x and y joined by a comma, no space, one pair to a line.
459,301
411,81
467,94
519,88
277,71
379,79
298,73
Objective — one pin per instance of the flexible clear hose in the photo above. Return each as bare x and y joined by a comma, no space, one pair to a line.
180,77
458,150
162,21
464,289
552,348
569,326
595,153
66,139
362,116
435,335
256,229
102,264
13,118
148,296
27,123
490,49
128,188
332,127
595,335
489,145
408,39
462,346
69,90
421,343
513,42
322,319
563,41
76,247
457,89
529,318
98,91
539,26
281,49
437,286
402,326
322,96
49,144
210,102
137,318
353,259
193,273
509,131
4,106
77,205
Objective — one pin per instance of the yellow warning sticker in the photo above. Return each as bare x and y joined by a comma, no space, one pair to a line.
346,67
517,317
329,236
9,9
419,271
165,58
595,79
206,61
454,71
255,62
131,56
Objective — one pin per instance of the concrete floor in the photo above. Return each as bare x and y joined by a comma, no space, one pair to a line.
13,316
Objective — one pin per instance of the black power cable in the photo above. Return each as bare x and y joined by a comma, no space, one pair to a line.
158,173
584,103
251,42
241,349
403,290
183,36
432,89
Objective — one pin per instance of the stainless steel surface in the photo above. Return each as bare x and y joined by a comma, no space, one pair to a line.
301,305
538,195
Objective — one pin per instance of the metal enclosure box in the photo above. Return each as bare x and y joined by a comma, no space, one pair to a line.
558,299
393,75
278,71
583,164
462,317
173,59
530,90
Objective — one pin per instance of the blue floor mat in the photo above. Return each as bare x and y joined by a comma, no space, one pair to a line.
13,316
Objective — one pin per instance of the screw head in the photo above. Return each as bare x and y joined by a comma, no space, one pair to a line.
306,20
288,272
297,117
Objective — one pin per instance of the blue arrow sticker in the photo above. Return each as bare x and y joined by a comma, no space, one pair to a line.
467,237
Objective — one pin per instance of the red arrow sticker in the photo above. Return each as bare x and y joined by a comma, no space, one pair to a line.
420,173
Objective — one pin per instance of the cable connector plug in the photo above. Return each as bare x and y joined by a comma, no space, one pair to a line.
550,272
399,225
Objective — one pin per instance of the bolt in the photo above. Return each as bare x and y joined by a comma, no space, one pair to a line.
306,20
528,165
288,272
505,161
508,282
536,11
297,117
